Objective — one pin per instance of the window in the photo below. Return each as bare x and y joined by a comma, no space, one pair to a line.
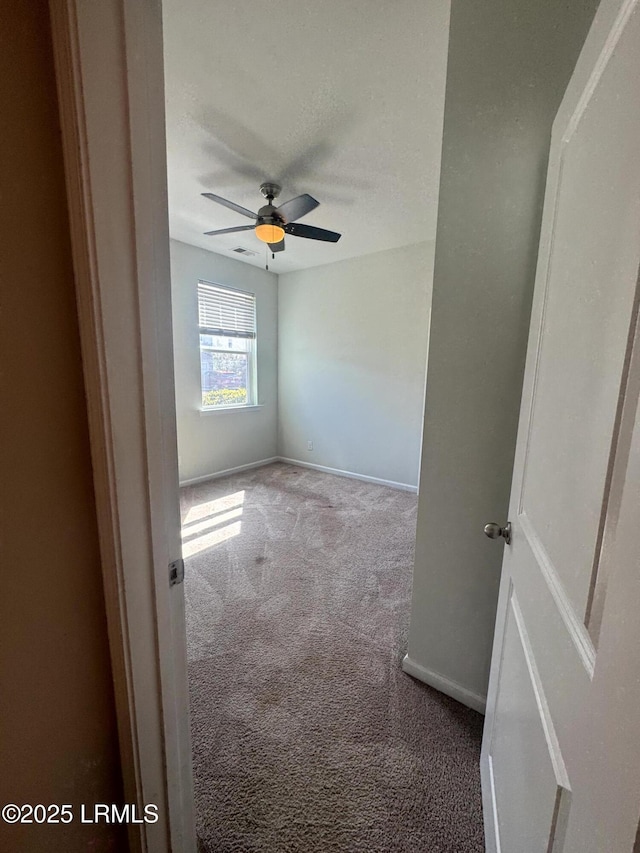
227,321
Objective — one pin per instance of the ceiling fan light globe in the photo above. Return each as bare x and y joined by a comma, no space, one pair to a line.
269,233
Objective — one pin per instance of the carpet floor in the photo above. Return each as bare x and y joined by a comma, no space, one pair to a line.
307,735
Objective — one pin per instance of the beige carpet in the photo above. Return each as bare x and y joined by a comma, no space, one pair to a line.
307,736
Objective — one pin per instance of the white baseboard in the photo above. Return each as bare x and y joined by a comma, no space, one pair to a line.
405,487
229,471
444,685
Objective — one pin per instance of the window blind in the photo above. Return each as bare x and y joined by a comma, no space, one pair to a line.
226,312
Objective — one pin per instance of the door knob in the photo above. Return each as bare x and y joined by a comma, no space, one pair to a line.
494,531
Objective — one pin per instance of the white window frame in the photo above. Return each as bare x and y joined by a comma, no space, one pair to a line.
252,353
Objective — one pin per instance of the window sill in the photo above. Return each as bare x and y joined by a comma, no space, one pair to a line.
214,410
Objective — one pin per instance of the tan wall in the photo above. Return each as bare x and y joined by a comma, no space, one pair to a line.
57,720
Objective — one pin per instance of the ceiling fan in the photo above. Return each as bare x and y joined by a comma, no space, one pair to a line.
272,223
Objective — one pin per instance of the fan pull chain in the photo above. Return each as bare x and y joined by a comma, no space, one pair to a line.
266,258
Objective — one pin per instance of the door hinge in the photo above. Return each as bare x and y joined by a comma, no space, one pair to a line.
176,572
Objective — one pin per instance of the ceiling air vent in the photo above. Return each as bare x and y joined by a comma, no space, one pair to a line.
240,250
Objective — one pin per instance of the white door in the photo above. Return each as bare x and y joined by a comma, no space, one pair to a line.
561,751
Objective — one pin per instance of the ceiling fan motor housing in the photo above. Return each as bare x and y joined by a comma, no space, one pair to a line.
269,215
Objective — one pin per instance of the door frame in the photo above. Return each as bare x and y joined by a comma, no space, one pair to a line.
110,81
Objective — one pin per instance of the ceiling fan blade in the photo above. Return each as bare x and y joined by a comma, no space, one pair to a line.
311,233
229,230
277,247
298,207
231,205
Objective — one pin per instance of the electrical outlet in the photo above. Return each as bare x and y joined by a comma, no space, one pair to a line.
309,445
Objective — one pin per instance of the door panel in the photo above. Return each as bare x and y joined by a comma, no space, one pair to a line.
588,302
526,761
564,653
579,399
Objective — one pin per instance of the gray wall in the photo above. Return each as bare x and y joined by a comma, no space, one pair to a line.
509,63
352,350
210,442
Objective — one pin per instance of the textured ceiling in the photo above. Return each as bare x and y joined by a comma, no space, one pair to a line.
342,99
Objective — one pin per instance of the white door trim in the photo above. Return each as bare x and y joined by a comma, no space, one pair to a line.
109,71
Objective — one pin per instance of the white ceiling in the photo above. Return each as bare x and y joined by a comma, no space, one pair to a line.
342,99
